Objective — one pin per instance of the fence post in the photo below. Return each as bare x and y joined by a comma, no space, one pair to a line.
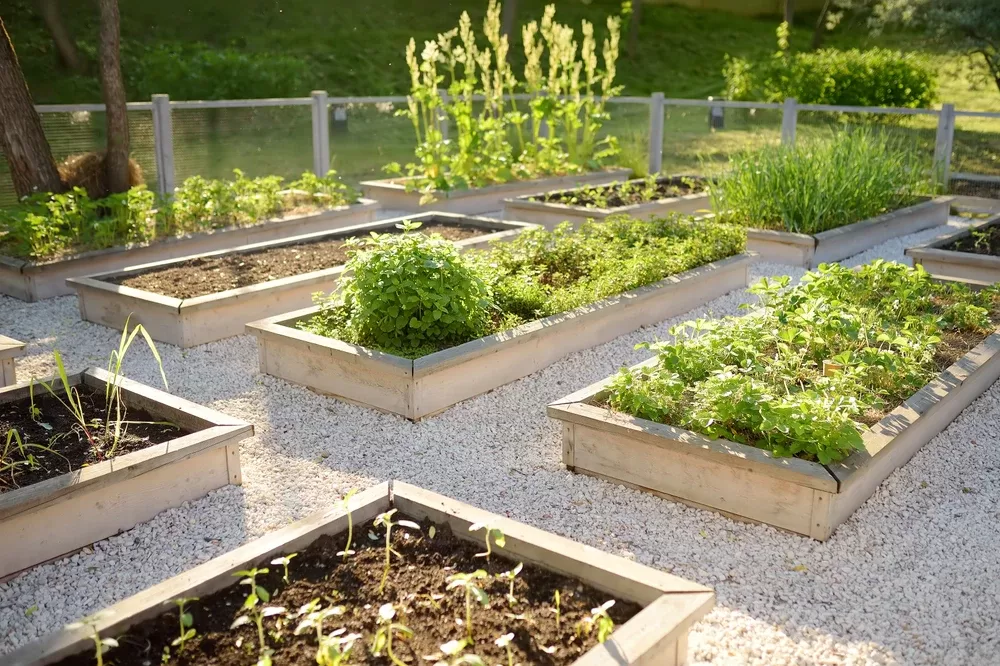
789,119
656,108
943,144
321,133
163,144
442,115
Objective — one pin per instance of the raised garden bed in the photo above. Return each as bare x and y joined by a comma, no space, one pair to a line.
750,483
811,250
652,613
392,194
207,297
637,198
970,254
36,280
9,350
420,387
187,451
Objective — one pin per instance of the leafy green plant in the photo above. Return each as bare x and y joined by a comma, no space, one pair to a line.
284,561
346,500
821,184
760,379
511,577
387,629
598,619
385,520
101,645
333,648
255,609
185,623
569,97
18,454
490,533
467,583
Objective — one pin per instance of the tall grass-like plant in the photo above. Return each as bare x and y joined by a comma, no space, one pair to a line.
496,139
821,184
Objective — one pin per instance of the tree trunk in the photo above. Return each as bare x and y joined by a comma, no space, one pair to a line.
819,32
632,47
113,90
22,139
65,44
508,17
789,12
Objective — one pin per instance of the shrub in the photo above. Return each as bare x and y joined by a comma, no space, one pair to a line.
821,184
874,77
759,379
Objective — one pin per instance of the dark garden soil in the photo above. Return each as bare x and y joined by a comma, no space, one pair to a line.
617,195
417,590
211,275
985,241
69,447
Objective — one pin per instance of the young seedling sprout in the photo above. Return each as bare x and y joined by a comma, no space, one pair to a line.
350,523
256,611
284,561
186,622
384,634
101,645
511,576
385,520
333,649
468,583
557,599
598,618
491,532
455,649
504,642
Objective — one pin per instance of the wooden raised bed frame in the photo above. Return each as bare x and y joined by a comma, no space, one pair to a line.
392,193
37,280
417,388
549,214
187,322
809,251
656,635
9,350
748,483
936,260
62,514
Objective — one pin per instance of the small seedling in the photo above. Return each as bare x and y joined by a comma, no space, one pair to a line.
598,618
511,576
335,649
350,523
314,617
468,583
254,606
557,600
491,532
504,642
385,520
101,645
386,629
284,562
186,623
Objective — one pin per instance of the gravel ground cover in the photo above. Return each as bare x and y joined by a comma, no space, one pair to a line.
913,577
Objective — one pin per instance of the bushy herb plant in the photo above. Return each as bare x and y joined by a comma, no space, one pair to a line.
882,332
412,295
47,226
821,184
496,139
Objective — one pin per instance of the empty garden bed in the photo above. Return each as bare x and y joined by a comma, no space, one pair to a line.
203,298
538,598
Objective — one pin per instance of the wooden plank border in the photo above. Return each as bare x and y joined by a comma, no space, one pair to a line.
549,214
656,635
195,321
38,280
809,251
10,349
748,483
64,513
428,385
954,264
392,193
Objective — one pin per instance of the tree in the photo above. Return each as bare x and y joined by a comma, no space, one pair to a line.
65,45
789,12
819,32
632,46
116,161
508,17
32,168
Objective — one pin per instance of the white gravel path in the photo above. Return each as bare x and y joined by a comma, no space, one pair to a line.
913,578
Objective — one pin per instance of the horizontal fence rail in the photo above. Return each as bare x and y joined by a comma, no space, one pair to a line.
357,135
